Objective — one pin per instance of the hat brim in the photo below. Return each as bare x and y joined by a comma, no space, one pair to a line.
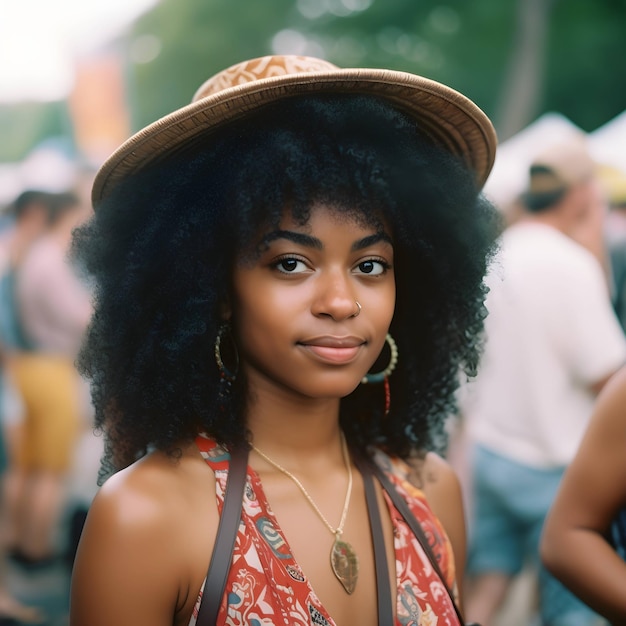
450,119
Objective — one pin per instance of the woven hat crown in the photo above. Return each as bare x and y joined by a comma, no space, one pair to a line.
447,117
259,69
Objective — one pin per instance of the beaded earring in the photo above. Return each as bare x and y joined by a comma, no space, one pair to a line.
227,376
383,376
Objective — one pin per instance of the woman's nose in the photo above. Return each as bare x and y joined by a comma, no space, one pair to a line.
335,298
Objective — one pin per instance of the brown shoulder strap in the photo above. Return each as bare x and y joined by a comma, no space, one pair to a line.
416,527
385,606
221,558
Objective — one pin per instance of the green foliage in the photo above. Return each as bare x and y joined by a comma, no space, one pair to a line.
586,61
198,38
24,125
467,45
464,44
453,43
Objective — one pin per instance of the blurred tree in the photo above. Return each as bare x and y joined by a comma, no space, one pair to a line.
586,61
194,39
515,59
24,125
522,87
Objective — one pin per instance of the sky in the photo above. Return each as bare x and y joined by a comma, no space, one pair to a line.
40,38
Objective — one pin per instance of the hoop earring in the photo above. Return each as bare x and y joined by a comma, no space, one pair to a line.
227,376
383,377
380,377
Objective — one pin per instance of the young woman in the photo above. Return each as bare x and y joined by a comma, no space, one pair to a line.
290,270
577,540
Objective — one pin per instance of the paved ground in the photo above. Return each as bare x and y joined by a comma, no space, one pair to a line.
47,589
518,610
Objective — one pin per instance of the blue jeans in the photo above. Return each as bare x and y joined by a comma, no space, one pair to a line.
510,503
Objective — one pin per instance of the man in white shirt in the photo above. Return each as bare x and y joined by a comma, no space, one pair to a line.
552,341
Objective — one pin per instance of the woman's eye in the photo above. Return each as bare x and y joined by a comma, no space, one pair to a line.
372,267
290,266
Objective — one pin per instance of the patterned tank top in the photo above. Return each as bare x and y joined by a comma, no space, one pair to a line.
265,585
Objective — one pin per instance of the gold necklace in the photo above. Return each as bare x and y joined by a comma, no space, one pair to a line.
343,558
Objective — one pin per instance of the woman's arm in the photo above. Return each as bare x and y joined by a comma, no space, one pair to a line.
593,489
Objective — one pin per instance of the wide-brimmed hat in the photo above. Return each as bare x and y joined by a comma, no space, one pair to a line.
449,118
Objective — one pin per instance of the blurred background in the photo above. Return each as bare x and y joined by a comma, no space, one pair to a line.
78,77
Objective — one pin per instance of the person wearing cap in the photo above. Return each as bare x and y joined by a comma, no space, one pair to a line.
552,342
288,277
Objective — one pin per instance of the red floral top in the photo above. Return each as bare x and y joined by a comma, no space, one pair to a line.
266,585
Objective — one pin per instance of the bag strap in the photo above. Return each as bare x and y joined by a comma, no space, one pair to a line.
385,606
416,527
221,558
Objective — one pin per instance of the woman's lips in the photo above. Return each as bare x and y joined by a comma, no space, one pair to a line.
334,355
334,349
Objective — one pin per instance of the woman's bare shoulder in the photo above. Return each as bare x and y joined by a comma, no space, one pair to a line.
437,469
432,472
147,537
442,488
155,483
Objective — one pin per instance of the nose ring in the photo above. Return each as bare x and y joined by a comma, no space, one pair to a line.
358,310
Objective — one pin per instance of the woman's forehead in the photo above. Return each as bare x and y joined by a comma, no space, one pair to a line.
321,213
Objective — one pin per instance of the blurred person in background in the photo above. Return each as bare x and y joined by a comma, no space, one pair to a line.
54,308
552,341
29,216
575,544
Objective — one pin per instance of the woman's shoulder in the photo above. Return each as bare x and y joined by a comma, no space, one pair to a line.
157,480
437,474
150,531
160,497
438,482
427,471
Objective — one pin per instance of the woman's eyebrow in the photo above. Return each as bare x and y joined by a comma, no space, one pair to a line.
299,238
370,240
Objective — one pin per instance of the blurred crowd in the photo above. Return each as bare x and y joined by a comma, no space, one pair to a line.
554,337
45,308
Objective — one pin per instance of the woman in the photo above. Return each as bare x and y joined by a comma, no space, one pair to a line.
575,544
291,267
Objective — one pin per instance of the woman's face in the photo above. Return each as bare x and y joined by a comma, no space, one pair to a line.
295,312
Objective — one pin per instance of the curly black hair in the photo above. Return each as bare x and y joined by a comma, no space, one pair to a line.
161,248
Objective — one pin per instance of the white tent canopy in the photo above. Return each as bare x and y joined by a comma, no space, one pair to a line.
608,143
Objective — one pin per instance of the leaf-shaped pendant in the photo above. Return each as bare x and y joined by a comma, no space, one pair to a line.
345,564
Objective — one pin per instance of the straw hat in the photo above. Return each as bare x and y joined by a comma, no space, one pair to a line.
449,118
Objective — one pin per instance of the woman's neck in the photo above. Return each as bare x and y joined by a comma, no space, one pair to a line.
294,431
